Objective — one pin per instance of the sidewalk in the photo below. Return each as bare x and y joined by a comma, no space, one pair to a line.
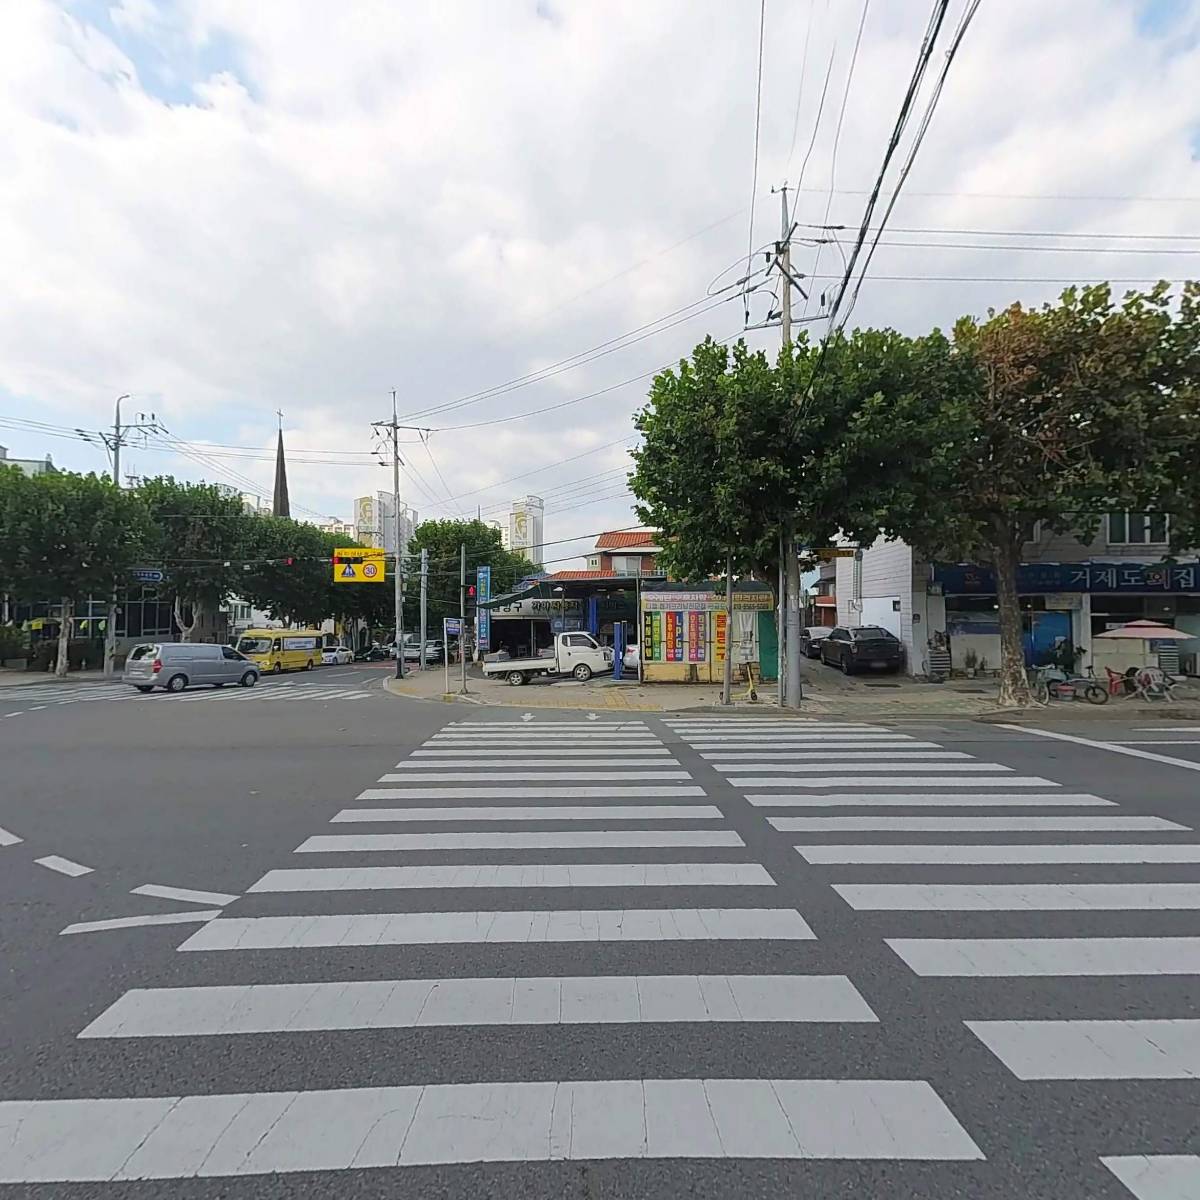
10,678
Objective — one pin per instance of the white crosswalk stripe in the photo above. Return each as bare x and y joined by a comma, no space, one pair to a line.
681,882
912,802
44,696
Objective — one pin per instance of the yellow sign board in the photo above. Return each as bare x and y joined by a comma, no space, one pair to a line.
825,553
359,564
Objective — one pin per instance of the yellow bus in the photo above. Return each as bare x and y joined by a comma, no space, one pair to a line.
276,650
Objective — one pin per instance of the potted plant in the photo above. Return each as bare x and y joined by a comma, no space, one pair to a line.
971,663
983,666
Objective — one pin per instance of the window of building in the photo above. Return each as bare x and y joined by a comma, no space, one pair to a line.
627,564
1137,529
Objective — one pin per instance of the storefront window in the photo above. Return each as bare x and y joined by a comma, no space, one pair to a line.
1137,529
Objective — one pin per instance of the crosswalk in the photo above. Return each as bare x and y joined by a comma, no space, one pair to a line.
617,935
1100,879
36,696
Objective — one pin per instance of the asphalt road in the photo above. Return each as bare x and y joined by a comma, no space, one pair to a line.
565,957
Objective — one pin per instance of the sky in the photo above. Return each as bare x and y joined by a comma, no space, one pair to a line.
225,210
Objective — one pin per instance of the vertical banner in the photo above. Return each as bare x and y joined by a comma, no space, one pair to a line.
677,640
483,616
656,638
669,636
722,633
646,650
695,635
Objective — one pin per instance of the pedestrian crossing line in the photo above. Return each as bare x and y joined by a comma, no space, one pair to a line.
515,875
1145,1049
940,855
64,866
722,723
546,764
184,895
658,753
430,1003
574,839
562,792
173,1137
547,812
820,749
538,737
944,800
961,770
8,839
1157,1176
525,727
492,773
799,740
994,958
911,782
1035,824
1020,897
531,927
809,760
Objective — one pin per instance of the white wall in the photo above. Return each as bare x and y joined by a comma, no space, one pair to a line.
887,574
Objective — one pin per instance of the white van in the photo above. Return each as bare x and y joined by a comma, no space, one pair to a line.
177,665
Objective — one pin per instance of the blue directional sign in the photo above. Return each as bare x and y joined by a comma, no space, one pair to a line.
147,575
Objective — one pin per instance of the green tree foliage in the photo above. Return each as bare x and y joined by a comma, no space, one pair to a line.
442,539
68,536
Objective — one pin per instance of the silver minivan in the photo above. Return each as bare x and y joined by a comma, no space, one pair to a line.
176,665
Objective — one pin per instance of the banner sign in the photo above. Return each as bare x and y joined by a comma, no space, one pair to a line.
960,579
671,628
359,564
721,621
483,618
695,636
706,601
656,646
647,647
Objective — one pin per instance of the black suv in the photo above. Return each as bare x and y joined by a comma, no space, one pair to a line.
862,647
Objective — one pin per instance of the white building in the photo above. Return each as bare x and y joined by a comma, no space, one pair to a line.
31,466
526,533
1069,590
334,526
374,523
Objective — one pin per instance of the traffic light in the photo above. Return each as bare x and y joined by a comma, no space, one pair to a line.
289,561
470,591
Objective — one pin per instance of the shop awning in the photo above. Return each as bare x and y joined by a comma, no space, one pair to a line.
552,588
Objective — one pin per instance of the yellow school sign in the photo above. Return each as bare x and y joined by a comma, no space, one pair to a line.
359,564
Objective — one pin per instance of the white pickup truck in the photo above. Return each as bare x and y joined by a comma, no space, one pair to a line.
577,654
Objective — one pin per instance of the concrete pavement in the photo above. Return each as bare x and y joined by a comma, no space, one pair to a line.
457,953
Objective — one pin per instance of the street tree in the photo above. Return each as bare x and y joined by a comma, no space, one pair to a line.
202,532
1057,414
68,536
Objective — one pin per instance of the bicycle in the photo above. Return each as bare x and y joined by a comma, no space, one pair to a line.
1052,683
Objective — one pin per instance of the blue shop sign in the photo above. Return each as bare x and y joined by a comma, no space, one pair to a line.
959,579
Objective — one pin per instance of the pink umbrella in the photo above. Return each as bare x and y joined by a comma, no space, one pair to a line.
1147,631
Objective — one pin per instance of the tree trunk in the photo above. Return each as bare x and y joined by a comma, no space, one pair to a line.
64,636
185,630
1014,685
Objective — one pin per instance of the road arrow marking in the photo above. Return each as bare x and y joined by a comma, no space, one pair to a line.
527,716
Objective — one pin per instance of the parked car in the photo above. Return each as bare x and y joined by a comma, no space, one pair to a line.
177,665
337,655
811,638
862,647
630,660
373,653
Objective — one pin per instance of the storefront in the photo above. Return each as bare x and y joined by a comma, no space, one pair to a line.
523,623
685,632
1074,602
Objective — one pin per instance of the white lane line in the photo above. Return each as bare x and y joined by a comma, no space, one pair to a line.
548,812
64,866
658,754
547,736
264,1133
1154,1049
187,895
593,839
515,875
919,782
426,1003
819,750
960,771
945,800
817,760
994,958
178,918
1020,897
1179,728
1156,742
574,762
20,712
1157,1176
527,793
590,726
1010,854
1112,747
533,927
492,773
972,824
9,839
38,707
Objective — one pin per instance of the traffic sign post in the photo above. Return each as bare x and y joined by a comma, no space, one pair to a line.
449,625
148,574
359,564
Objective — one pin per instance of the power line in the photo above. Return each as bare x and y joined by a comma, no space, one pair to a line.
1025,247
762,25
812,4
1047,233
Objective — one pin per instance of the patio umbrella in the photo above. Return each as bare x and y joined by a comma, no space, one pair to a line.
1147,631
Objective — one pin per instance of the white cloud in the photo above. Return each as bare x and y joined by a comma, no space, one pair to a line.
330,201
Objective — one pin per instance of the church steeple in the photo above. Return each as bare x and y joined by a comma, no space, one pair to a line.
280,505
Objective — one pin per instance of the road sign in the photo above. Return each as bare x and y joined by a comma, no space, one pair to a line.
147,575
483,618
825,553
452,625
359,564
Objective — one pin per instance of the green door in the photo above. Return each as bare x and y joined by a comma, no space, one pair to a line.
768,646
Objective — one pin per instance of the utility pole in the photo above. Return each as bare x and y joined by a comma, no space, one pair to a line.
114,442
393,426
727,675
791,693
424,602
462,616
